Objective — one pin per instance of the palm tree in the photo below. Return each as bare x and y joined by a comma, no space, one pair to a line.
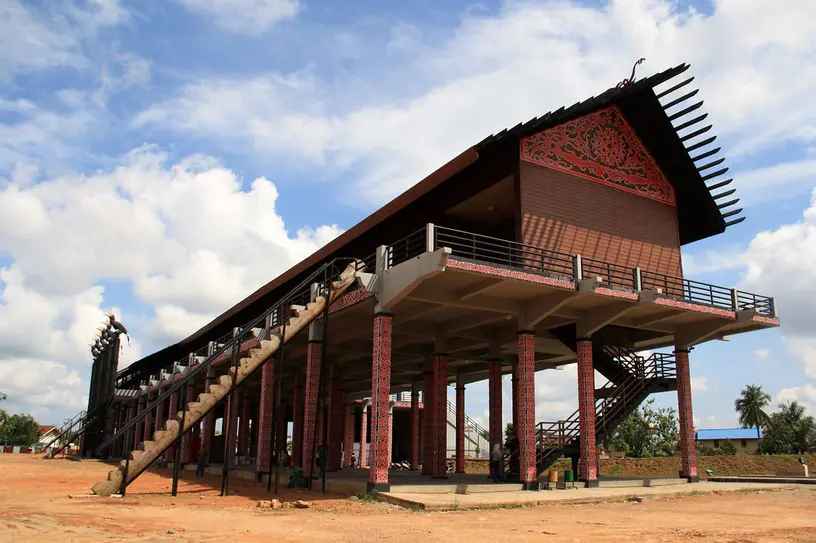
751,407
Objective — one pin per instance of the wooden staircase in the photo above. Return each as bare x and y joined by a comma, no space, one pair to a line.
194,411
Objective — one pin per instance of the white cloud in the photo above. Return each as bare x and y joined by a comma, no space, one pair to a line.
805,395
496,70
761,354
189,238
244,16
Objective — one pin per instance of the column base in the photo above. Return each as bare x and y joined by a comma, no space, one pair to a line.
592,483
373,488
534,485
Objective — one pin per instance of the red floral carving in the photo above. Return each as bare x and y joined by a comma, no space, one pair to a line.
601,147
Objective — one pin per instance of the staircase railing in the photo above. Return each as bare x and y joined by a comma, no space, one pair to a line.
72,430
230,350
612,399
469,423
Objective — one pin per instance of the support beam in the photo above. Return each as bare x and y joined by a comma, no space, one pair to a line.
594,320
693,334
380,389
536,310
480,287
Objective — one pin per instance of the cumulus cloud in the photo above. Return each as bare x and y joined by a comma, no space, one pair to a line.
187,237
805,395
496,70
244,16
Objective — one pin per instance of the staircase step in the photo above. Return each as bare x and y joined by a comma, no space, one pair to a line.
206,398
225,381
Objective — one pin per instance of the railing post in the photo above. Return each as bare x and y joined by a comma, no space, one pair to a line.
734,299
577,269
771,307
637,280
430,237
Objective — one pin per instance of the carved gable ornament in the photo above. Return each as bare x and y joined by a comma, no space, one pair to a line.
603,148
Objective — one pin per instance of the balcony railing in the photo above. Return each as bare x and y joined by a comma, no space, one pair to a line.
515,255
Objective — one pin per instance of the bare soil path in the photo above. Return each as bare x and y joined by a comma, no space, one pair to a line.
36,504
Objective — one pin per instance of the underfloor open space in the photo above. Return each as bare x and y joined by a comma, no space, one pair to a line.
45,500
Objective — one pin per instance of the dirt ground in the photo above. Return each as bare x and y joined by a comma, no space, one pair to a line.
42,500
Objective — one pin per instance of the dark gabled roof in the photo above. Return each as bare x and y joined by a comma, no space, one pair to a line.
699,215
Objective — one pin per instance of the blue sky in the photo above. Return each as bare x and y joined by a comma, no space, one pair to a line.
163,159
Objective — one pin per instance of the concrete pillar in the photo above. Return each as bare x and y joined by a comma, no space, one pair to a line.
525,377
297,420
380,390
688,451
428,395
440,424
310,405
363,462
460,423
587,462
263,453
348,436
414,427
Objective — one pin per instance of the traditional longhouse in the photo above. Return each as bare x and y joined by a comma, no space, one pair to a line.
555,242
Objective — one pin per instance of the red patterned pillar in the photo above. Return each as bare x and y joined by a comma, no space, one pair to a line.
172,413
297,420
428,395
414,427
460,423
380,390
187,439
364,435
525,402
440,423
336,425
148,420
348,436
515,405
265,422
688,451
243,429
160,411
495,404
310,406
138,433
588,461
208,426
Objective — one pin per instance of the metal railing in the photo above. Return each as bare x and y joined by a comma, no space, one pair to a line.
612,399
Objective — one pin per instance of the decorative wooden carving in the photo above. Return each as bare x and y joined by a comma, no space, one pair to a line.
603,148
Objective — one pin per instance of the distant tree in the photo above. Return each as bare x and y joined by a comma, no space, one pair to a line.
20,430
647,432
751,407
789,431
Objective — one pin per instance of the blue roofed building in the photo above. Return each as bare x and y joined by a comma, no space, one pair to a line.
744,440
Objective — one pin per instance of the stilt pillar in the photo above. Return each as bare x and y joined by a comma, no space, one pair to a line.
263,455
208,425
587,462
187,439
440,423
148,420
363,460
310,403
525,402
348,436
688,451
297,420
160,414
428,417
414,427
243,429
172,413
494,405
460,423
380,390
336,424
138,433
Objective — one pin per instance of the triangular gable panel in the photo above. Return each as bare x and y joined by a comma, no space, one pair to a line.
603,148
